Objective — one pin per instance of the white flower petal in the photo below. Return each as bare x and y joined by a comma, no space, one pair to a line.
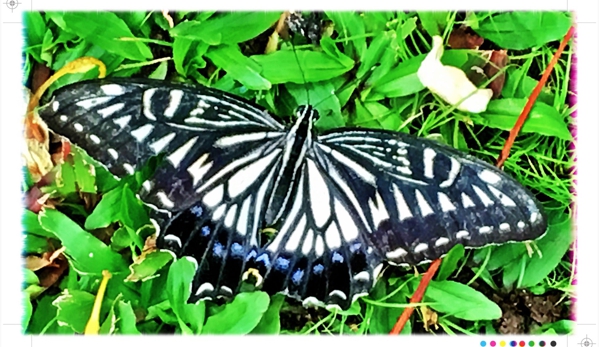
451,83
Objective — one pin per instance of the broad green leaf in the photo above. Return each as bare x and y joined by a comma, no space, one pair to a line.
107,211
433,22
330,48
84,173
350,26
519,85
228,28
450,262
552,246
406,28
240,316
542,119
127,320
384,318
147,268
31,225
282,66
36,245
271,320
160,72
107,30
562,327
240,67
377,48
36,28
87,253
461,301
27,312
180,277
74,309
520,30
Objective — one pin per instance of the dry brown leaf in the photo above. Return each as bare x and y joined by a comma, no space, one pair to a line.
429,317
498,61
464,38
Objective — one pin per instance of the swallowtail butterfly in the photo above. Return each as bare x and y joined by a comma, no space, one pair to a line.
341,202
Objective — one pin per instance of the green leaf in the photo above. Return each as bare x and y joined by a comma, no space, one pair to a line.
240,67
86,252
74,309
542,119
461,301
450,262
377,48
180,277
552,246
147,268
433,22
36,28
384,318
127,320
520,85
107,211
240,316
282,66
84,173
36,244
106,30
271,320
228,28
350,26
160,72
520,30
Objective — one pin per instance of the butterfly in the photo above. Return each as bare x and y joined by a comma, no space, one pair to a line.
312,215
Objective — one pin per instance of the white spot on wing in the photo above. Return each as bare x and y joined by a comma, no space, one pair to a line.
466,201
504,227
320,198
484,230
95,139
242,221
363,276
64,118
219,212
445,202
402,207
462,234
147,103
112,89
332,236
346,223
425,208
128,167
177,156
158,145
453,173
441,241
379,212
89,103
489,176
319,246
483,197
505,200
197,170
421,247
396,254
232,140
174,238
206,287
339,294
113,153
230,218
174,101
55,106
214,197
164,200
293,242
521,225
123,121
78,127
110,110
428,157
307,246
142,132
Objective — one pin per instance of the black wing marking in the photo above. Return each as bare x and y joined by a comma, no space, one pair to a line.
416,198
122,123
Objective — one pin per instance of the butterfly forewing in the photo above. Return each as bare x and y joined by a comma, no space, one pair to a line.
418,198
